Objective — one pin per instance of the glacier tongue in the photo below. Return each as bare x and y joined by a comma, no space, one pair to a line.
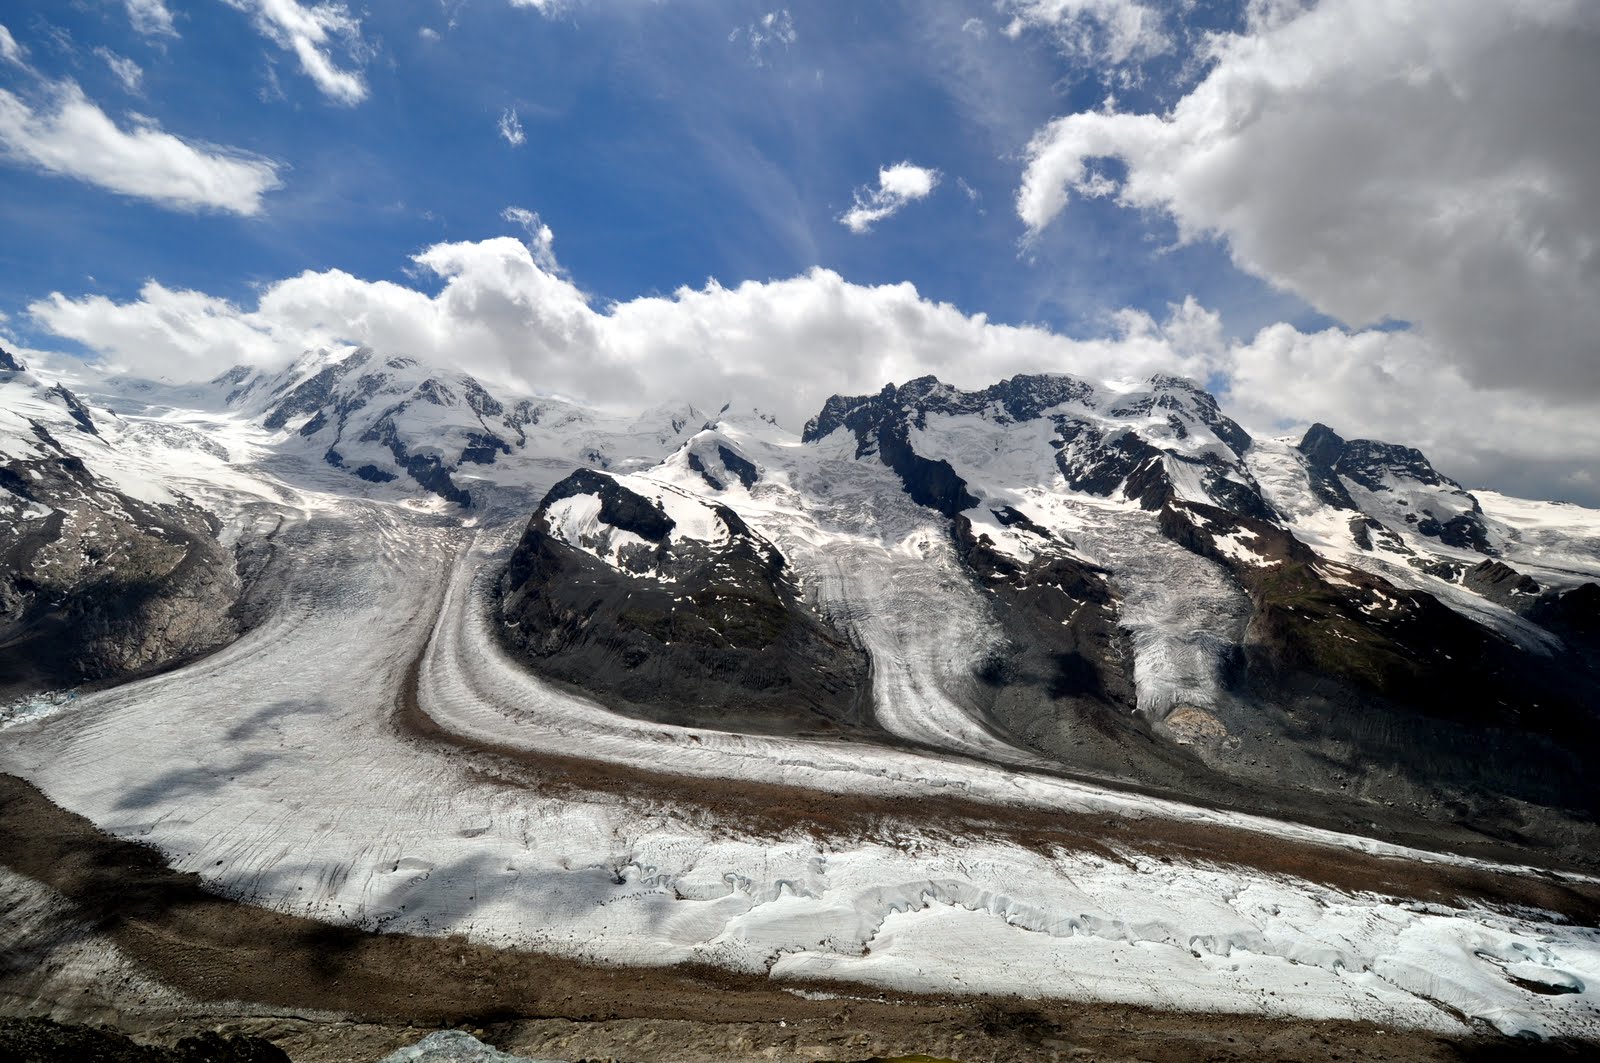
1184,615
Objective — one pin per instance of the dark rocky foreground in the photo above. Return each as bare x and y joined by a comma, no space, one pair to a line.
28,1040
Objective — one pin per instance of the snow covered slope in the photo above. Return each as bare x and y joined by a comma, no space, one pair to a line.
478,628
1125,583
108,567
387,419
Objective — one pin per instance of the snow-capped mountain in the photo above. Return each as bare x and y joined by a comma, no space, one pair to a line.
1124,581
1049,666
104,571
388,419
1111,579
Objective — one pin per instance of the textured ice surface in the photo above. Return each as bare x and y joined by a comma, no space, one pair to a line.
453,1046
274,770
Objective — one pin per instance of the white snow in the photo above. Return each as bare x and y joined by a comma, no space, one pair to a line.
274,768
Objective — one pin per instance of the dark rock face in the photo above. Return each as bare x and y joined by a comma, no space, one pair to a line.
45,1041
881,425
10,363
700,634
1061,681
1091,457
105,586
619,507
79,412
427,469
1392,676
744,470
312,395
1374,465
1501,583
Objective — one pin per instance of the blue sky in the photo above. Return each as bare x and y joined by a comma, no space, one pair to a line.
1382,214
663,146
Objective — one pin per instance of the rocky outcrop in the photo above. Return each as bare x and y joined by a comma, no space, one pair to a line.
709,633
34,1040
95,585
1407,484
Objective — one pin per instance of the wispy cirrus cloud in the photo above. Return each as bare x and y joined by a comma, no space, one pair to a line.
773,30
510,127
898,185
151,17
130,73
1103,31
314,34
10,50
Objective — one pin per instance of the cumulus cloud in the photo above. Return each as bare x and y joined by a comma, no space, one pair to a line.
130,73
1436,164
313,34
71,136
150,17
898,185
510,127
1397,385
507,313
1107,31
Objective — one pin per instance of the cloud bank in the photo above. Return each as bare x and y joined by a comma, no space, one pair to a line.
506,312
1436,164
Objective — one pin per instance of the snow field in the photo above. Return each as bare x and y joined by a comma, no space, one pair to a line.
273,769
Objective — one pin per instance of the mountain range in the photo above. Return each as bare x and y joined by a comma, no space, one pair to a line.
1070,576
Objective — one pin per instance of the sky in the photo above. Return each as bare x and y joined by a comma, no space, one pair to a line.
1378,214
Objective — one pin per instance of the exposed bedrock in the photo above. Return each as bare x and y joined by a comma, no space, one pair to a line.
1061,680
708,634
105,587
1389,693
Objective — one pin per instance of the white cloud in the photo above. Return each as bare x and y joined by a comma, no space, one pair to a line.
772,30
150,17
312,34
898,185
1400,387
73,137
507,313
541,240
510,127
1109,31
10,50
547,7
429,34
1434,164
128,72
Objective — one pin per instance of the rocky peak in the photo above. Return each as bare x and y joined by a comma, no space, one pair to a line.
621,508
1401,481
10,363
